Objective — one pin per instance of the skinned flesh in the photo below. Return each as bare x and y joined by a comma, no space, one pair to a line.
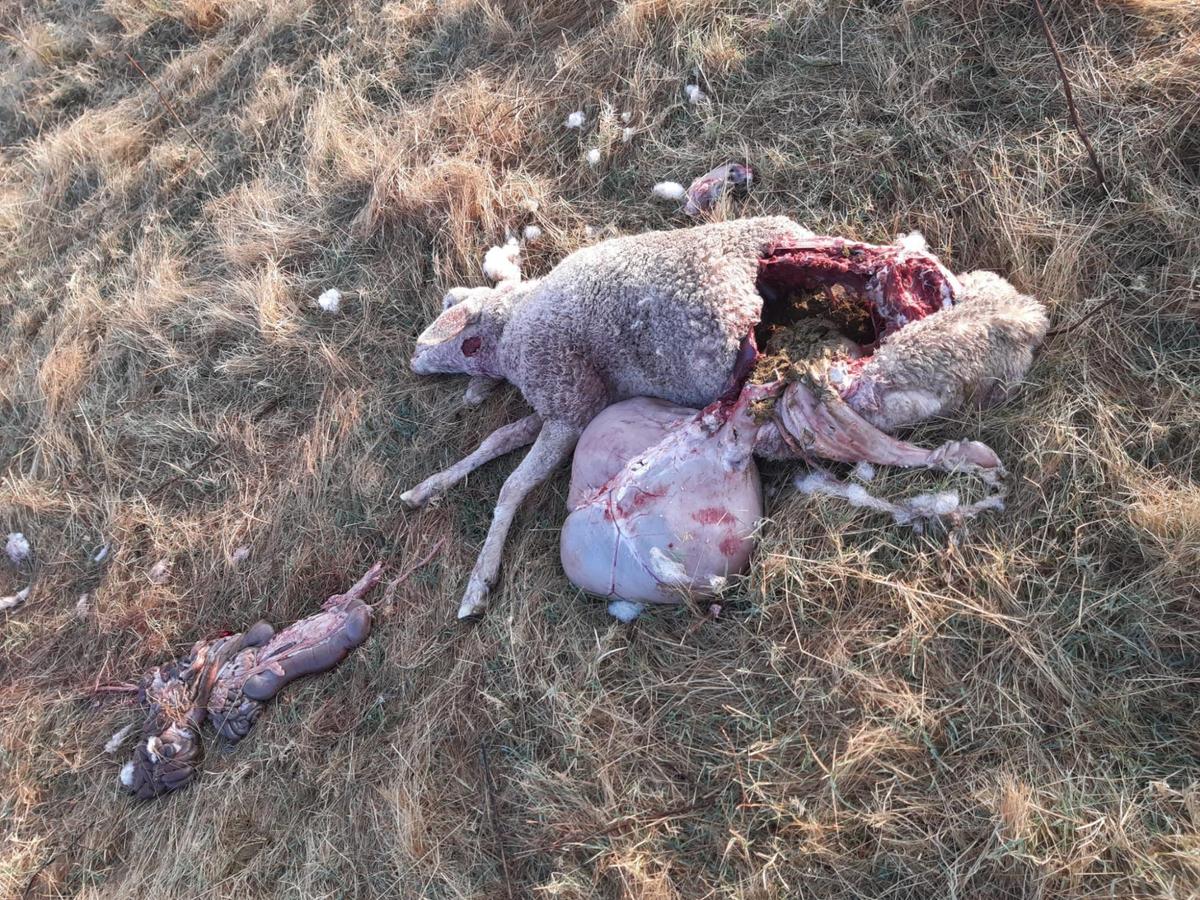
618,434
677,518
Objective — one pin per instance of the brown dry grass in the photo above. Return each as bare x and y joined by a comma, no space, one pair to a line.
1007,711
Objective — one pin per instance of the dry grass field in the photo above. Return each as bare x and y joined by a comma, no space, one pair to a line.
1006,710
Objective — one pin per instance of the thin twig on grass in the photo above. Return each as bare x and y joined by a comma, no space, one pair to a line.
1071,326
494,817
187,473
38,871
632,821
171,109
390,591
1066,83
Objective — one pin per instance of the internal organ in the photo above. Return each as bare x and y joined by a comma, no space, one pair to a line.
676,516
898,283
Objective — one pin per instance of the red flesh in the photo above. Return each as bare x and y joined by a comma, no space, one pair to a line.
897,285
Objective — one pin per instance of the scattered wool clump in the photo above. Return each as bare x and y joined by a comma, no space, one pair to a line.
669,190
14,600
593,157
83,606
864,471
239,554
126,775
501,263
100,555
17,548
694,94
929,505
626,135
114,742
914,511
532,233
626,116
625,611
913,242
575,120
330,300
160,572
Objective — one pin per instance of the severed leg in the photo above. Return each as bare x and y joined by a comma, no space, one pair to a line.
479,388
551,449
502,440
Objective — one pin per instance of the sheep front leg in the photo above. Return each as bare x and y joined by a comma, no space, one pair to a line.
551,449
503,440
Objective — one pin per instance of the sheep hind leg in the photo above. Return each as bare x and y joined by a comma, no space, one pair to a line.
501,441
551,449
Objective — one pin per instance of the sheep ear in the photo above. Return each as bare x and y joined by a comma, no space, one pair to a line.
454,320
455,296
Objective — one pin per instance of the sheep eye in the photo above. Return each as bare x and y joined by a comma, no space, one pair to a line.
471,346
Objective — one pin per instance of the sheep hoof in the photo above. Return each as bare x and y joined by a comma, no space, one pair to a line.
474,601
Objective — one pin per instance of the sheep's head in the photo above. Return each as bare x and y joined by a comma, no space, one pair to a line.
464,338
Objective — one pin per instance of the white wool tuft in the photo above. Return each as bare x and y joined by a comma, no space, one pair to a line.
626,135
126,775
114,742
940,504
624,610
694,94
17,548
669,190
593,157
14,600
83,606
532,233
241,553
667,570
330,300
160,572
857,495
626,116
100,555
914,242
501,263
864,471
575,119
814,482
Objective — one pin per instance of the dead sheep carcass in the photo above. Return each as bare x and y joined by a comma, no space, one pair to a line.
676,316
